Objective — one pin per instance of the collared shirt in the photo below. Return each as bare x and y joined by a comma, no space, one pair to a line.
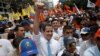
92,51
42,46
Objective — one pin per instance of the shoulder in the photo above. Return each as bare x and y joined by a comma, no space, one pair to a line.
90,51
4,40
60,53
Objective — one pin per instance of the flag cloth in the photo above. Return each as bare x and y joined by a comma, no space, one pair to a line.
16,16
90,4
41,17
98,3
25,12
1,18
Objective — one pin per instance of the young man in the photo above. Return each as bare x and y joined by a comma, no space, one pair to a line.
95,50
26,24
19,36
67,33
46,45
89,39
70,47
57,33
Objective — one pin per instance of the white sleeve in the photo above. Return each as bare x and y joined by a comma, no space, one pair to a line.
10,48
36,38
13,25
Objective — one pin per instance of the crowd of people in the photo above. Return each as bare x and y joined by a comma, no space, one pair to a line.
59,34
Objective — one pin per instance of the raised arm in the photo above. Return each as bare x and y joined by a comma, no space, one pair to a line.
36,20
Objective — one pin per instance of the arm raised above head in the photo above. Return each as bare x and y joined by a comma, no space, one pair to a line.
36,20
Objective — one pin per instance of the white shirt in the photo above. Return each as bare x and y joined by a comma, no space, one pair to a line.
29,35
92,51
5,47
85,45
57,35
42,46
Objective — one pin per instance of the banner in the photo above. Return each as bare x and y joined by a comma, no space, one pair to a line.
90,4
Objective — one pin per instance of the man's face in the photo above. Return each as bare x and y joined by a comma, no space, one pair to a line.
85,36
20,32
55,24
27,27
68,32
48,32
71,47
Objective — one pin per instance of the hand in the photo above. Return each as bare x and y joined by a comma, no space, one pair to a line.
38,7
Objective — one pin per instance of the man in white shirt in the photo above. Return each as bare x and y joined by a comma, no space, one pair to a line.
46,45
5,47
89,34
42,42
57,33
95,50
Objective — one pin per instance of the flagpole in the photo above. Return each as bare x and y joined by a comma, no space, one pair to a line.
77,9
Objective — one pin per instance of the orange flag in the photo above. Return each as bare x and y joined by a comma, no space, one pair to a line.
67,7
41,17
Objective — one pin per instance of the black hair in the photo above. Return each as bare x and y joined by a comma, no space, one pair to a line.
93,18
54,20
45,25
93,29
11,35
78,19
17,27
41,26
67,27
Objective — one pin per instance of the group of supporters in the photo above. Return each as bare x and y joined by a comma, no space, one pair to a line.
61,34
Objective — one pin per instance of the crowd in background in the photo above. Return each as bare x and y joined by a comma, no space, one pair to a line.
53,32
